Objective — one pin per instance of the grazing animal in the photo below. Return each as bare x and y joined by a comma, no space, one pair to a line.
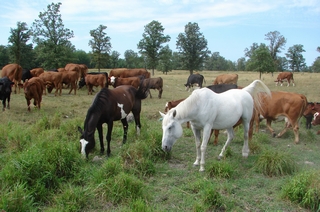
217,89
5,92
194,79
28,74
124,72
155,83
14,73
117,81
226,79
94,79
33,89
316,120
52,79
311,109
282,104
69,78
36,72
220,111
111,105
285,76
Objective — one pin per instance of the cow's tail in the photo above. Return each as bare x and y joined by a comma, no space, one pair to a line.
255,88
143,90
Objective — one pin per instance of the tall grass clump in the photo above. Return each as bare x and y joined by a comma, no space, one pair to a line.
221,169
304,189
272,162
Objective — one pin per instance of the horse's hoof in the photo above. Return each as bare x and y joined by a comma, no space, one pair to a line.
195,165
219,157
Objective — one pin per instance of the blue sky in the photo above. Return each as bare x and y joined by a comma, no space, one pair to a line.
229,26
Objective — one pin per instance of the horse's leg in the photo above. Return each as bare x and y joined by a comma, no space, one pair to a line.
206,136
110,126
245,148
125,129
197,136
269,127
100,132
229,139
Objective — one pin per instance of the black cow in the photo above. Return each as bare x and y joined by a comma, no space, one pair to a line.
194,79
5,91
219,88
26,74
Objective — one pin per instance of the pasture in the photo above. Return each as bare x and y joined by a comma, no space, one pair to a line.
41,168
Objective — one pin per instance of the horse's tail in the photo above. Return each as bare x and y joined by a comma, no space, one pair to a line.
255,88
143,90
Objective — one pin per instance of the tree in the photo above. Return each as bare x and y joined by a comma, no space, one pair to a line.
241,64
81,57
100,45
261,60
19,49
217,62
165,63
54,49
131,58
4,56
277,43
177,62
296,60
249,52
193,47
114,59
152,43
316,64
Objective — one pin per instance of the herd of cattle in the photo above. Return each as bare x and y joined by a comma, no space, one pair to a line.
288,105
37,82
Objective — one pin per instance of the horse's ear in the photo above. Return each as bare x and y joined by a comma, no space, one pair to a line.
80,130
162,114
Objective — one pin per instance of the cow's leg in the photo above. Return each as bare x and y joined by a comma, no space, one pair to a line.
150,94
160,93
3,104
216,136
28,104
8,100
286,127
296,134
125,130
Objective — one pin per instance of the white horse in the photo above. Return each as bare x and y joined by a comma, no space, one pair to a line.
207,110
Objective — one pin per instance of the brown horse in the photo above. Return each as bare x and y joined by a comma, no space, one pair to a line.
108,106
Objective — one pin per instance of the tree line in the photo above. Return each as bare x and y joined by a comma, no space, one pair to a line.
51,48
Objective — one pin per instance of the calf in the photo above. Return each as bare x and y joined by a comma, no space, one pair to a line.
33,89
117,81
287,104
94,80
5,91
226,79
155,83
311,109
194,79
285,76
316,120
52,80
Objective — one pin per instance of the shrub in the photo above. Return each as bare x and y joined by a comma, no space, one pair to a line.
304,189
275,163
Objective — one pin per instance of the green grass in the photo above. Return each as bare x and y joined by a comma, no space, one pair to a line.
41,168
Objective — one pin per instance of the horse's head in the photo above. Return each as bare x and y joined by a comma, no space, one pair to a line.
84,148
171,128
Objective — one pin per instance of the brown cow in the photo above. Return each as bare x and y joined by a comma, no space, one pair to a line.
311,109
283,104
73,67
83,70
96,80
14,73
124,72
117,81
69,78
316,120
155,83
36,72
226,79
33,89
285,76
52,80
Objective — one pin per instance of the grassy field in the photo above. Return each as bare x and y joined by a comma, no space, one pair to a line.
151,180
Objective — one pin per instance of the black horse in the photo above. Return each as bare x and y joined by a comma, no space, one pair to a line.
108,106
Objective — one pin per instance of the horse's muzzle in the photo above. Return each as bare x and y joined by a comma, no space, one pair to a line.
166,148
